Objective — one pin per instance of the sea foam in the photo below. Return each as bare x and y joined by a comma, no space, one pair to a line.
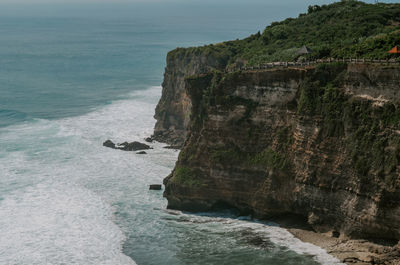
51,203
58,224
267,232
66,199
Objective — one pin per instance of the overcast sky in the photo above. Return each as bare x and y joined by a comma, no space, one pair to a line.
274,10
297,2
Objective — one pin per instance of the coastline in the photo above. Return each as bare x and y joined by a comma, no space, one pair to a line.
350,251
318,144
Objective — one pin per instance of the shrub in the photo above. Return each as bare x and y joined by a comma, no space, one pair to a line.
186,177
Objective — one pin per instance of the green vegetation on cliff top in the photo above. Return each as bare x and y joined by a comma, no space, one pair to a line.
343,29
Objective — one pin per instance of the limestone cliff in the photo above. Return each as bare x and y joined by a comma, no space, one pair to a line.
173,110
322,143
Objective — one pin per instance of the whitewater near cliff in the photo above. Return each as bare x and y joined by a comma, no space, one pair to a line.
69,81
67,199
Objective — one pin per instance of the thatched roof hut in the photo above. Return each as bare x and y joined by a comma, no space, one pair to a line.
304,50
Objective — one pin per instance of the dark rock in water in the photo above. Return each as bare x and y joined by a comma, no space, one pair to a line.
177,147
109,144
134,146
125,146
155,187
149,139
259,242
141,153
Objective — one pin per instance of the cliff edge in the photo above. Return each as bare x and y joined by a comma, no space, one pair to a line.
174,108
319,144
322,143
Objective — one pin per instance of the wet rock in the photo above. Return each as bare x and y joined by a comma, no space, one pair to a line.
149,139
177,147
125,146
141,153
109,144
133,146
155,187
259,242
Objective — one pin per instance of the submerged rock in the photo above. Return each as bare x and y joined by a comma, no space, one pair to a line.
141,153
259,242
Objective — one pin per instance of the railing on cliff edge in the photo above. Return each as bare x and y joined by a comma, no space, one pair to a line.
310,63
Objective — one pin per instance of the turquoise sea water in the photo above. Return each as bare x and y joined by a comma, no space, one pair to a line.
74,76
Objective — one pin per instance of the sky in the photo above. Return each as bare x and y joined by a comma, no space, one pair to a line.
296,2
300,6
274,10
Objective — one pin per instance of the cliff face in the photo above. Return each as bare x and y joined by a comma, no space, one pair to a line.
322,143
173,110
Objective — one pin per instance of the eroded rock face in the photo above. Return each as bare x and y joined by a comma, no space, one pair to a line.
310,142
174,108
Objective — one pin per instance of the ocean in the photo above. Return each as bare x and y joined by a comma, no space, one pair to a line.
73,76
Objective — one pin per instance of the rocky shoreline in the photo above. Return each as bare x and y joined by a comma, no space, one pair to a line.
351,251
346,250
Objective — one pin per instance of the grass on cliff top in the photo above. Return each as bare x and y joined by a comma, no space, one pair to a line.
343,29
